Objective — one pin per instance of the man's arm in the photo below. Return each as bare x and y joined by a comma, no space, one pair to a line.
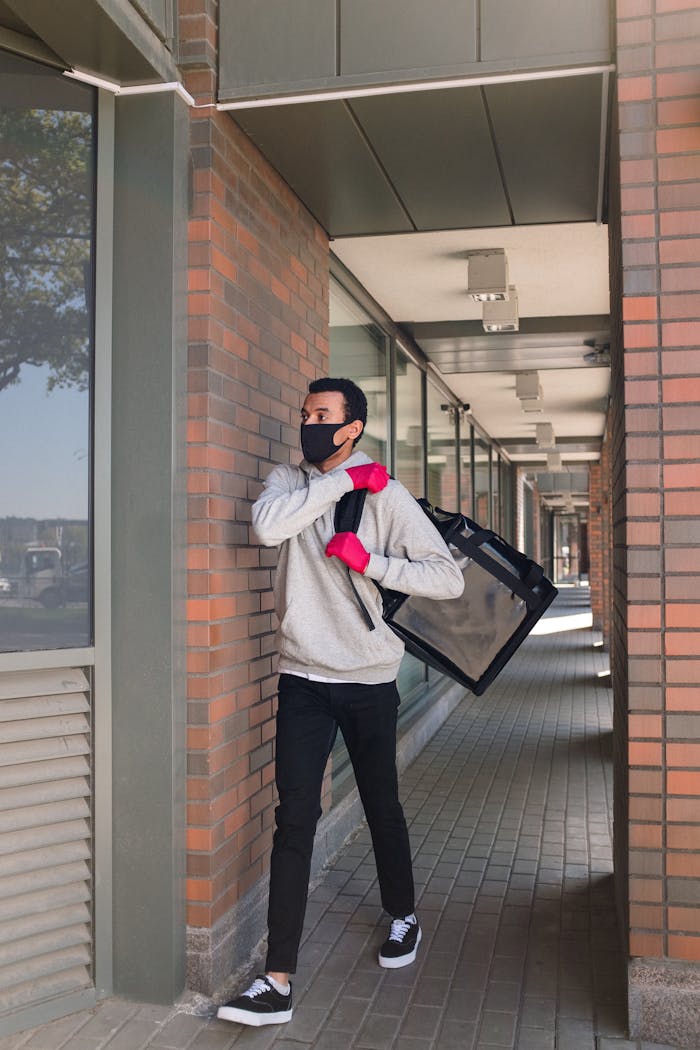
418,560
282,510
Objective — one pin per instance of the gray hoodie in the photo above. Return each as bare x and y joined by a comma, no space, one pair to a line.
321,630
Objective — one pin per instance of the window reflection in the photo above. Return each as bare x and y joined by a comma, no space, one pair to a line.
482,458
466,437
409,424
442,459
358,352
46,239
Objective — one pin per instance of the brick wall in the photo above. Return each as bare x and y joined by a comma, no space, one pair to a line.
258,333
599,527
658,498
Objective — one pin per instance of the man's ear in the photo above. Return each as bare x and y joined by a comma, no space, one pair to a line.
355,429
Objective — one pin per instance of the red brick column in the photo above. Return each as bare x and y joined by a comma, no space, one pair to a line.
258,333
659,117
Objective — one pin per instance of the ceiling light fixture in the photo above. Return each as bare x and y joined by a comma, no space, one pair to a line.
488,275
528,391
502,316
544,435
554,461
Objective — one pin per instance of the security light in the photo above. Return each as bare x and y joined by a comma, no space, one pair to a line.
488,276
502,316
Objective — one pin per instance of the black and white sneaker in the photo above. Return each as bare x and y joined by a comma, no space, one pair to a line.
400,947
261,1004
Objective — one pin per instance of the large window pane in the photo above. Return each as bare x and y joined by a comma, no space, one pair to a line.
46,306
409,424
467,487
482,457
358,352
495,491
442,451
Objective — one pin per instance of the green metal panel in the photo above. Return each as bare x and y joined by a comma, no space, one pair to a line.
406,34
148,528
276,42
437,150
159,13
106,37
545,28
548,136
323,155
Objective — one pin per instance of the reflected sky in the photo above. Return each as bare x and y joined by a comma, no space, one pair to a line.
44,442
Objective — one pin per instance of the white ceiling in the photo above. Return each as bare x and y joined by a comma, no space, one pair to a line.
558,270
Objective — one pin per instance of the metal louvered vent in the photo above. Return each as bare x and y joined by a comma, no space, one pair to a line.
45,836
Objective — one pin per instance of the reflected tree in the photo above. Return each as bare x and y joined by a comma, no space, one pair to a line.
45,239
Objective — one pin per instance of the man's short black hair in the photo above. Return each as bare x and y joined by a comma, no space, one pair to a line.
355,400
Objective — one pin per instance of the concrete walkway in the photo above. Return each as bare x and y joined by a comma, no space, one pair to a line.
509,808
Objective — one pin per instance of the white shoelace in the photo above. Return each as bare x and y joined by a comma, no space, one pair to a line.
399,929
257,988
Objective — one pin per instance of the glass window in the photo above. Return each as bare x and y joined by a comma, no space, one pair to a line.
482,462
409,424
358,352
47,197
507,501
495,491
442,451
467,483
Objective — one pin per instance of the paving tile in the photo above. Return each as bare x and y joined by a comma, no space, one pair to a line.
498,1028
378,1031
534,1039
51,1036
176,1033
135,1033
456,1035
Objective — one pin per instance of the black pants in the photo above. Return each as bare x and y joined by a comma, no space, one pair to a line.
308,719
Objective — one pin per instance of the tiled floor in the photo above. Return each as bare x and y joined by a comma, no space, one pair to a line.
509,809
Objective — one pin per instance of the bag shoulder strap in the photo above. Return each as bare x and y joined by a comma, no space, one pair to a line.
347,518
348,510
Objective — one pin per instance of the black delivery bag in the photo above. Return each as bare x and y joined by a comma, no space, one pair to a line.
470,638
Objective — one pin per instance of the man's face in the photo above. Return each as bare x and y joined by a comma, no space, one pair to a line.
329,407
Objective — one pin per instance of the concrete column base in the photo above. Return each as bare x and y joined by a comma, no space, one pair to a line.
664,1002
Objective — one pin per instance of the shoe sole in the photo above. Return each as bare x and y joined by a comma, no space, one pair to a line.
233,1013
390,963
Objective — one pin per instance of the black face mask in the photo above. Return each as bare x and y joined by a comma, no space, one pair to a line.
317,440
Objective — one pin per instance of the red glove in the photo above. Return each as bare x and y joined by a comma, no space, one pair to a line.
372,476
347,547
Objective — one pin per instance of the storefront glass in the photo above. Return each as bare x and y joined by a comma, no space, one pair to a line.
482,471
466,438
442,448
359,352
47,202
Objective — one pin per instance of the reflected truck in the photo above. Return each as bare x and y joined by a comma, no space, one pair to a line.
45,579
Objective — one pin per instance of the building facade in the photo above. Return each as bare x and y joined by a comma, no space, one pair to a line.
176,182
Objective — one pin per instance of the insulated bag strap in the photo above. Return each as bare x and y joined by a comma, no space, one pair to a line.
471,547
348,514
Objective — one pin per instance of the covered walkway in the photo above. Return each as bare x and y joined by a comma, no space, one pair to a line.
510,809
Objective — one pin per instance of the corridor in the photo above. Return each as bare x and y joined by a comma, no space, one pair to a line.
509,808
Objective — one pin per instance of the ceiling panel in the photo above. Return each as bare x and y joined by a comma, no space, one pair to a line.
319,150
548,137
436,148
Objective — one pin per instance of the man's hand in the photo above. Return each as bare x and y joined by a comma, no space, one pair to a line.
347,547
372,476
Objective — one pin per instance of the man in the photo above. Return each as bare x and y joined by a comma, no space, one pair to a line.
337,673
